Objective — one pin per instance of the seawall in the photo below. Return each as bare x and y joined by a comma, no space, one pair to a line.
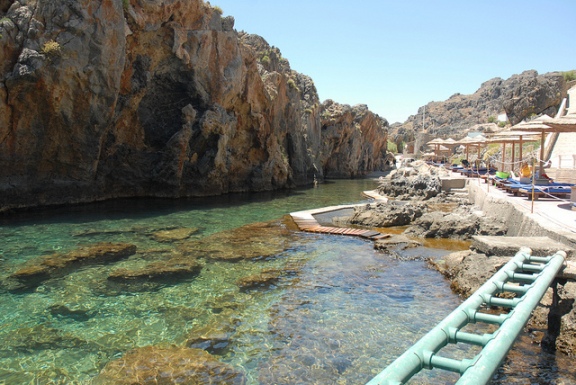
546,218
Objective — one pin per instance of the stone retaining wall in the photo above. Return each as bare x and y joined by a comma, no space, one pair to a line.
519,221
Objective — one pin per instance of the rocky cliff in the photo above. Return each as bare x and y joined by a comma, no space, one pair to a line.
519,97
109,98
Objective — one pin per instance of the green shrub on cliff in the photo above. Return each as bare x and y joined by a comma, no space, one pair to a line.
51,48
292,85
218,10
569,75
392,147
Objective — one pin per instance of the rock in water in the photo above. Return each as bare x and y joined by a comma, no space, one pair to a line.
154,365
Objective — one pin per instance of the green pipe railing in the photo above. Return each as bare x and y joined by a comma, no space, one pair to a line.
526,276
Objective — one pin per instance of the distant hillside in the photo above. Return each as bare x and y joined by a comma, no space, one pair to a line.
519,97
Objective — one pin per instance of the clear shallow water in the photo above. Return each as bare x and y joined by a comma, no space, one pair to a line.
337,314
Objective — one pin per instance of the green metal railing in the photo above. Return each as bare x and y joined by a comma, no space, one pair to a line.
527,277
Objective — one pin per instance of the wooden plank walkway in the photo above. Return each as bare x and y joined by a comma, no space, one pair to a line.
306,222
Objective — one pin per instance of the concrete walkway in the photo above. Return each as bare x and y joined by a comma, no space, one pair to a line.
544,217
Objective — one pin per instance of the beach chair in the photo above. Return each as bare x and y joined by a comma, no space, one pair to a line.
546,192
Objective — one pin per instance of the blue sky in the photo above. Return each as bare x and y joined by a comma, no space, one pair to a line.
396,56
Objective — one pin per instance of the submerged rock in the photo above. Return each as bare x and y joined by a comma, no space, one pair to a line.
213,338
46,267
152,365
263,279
174,235
395,243
40,337
253,241
174,268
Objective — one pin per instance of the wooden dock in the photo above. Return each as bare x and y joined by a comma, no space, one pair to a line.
306,222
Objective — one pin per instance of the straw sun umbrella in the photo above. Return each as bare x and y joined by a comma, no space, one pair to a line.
513,137
436,143
538,125
468,141
565,123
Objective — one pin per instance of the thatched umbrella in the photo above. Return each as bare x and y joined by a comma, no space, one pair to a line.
538,125
436,143
565,123
468,141
513,137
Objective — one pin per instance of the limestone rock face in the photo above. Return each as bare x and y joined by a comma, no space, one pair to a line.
519,97
350,138
104,99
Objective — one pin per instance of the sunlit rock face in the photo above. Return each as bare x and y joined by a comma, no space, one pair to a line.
104,99
519,97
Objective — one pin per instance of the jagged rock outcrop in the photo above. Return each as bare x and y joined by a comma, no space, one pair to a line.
351,137
104,99
419,181
391,213
519,96
460,224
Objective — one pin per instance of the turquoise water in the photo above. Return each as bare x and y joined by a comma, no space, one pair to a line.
337,313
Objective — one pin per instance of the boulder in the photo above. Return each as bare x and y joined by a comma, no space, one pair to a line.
468,270
391,213
460,224
417,182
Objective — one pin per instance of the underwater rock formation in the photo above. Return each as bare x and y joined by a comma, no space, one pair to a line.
155,365
253,241
55,265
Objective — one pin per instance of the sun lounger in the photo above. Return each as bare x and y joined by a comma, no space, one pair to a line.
545,192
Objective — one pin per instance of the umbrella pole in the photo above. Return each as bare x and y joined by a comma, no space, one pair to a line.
533,177
520,150
513,155
542,155
503,155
